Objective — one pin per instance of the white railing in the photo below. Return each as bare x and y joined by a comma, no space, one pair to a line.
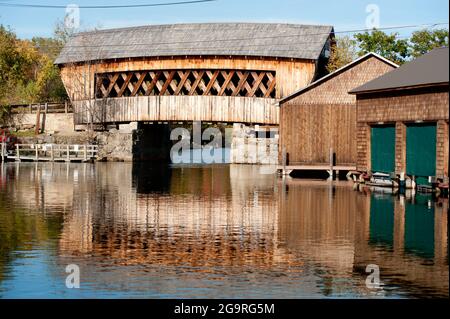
3,151
54,152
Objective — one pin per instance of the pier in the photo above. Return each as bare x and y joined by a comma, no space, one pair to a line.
50,153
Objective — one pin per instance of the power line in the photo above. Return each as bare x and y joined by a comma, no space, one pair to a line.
44,6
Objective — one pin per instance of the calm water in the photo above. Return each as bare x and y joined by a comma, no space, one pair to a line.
224,231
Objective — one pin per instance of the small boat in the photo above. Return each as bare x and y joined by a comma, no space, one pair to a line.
381,180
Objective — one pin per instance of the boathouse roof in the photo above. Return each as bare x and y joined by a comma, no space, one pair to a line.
429,69
336,73
205,39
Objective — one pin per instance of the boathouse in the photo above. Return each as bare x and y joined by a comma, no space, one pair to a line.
214,72
318,122
403,119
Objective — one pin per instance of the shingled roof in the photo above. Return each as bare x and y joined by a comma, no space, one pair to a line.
428,69
207,39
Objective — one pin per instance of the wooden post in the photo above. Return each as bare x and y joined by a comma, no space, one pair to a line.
68,153
283,159
44,117
17,152
85,152
65,107
31,108
37,152
38,120
51,152
2,151
331,163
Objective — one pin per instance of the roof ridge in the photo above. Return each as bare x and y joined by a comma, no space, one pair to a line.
199,24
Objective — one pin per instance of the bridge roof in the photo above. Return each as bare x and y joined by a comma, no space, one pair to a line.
206,39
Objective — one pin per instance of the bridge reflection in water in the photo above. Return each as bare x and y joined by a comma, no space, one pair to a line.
218,231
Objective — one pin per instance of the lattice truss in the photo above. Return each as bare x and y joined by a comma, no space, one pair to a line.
186,82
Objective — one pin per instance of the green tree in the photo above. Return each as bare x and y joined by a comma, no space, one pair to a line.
343,51
10,62
27,72
423,41
386,45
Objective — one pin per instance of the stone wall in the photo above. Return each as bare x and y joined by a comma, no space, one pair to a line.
115,146
254,145
51,122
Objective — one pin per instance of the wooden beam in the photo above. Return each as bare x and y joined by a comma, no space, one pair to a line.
138,84
197,81
112,82
183,76
212,80
125,84
243,79
227,81
155,78
256,83
169,77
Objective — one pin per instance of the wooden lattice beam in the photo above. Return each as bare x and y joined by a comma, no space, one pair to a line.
193,82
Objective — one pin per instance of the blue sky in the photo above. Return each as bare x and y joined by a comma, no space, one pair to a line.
343,14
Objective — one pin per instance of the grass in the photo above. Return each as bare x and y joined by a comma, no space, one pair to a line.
27,133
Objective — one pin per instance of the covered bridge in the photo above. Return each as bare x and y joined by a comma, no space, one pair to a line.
215,72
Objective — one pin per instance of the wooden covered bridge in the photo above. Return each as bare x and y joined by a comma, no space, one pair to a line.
218,72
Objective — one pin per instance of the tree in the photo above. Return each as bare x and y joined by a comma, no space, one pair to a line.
13,64
62,33
342,53
423,41
388,46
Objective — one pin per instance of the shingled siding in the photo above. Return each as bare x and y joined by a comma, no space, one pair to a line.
323,117
401,107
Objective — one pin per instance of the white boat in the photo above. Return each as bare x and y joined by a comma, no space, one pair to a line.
382,180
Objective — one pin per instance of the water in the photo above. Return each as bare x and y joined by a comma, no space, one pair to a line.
219,231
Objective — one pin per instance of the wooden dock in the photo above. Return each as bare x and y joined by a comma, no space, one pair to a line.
50,153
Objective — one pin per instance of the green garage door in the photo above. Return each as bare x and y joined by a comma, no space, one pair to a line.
421,151
382,148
